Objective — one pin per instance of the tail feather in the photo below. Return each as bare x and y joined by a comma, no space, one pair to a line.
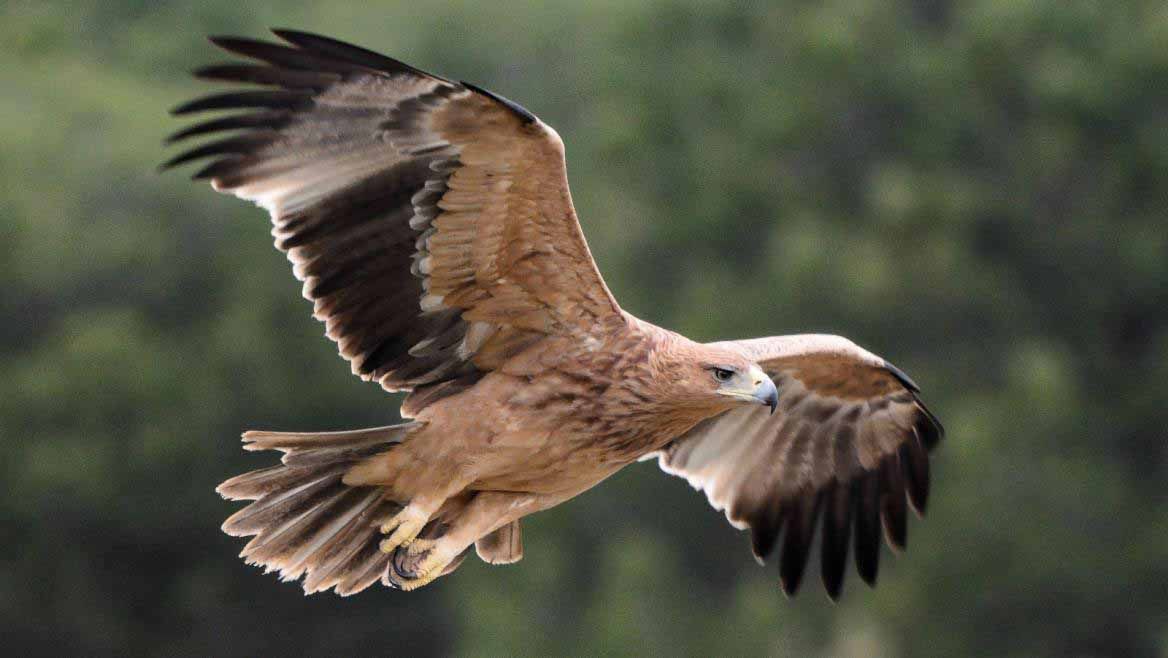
368,564
320,456
293,556
305,520
339,552
282,506
307,443
257,484
276,548
267,440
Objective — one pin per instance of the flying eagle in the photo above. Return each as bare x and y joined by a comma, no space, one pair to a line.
431,224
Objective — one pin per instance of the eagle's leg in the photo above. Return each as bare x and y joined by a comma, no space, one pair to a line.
424,560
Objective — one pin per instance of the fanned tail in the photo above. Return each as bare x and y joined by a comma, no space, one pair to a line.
305,520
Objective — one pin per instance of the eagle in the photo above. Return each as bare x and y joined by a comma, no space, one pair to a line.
432,227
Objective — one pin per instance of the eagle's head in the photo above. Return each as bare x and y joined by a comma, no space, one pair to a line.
710,379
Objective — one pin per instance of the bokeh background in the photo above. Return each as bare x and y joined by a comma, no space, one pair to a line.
975,190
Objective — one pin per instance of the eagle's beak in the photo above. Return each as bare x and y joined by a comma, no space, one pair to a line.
764,389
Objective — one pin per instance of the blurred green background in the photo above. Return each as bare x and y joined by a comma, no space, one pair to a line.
975,190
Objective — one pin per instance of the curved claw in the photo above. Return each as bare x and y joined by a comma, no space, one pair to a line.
417,564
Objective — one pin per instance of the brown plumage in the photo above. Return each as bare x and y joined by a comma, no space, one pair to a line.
432,226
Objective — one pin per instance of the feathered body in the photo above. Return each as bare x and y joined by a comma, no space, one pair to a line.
556,422
431,224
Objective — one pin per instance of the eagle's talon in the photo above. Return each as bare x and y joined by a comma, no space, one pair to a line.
417,564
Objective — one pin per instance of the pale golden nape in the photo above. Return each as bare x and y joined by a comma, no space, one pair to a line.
431,224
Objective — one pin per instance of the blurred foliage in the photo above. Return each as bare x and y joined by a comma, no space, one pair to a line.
974,189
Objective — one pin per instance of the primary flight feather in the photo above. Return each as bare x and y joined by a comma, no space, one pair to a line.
431,224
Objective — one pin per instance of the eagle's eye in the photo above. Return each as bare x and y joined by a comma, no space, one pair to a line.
722,374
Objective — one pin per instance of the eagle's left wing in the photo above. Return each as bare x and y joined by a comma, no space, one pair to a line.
849,442
429,220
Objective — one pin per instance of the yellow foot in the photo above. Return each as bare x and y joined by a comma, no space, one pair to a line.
403,528
417,564
410,585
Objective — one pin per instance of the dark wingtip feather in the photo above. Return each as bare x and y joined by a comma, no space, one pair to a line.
289,34
837,526
902,377
798,535
519,111
219,71
893,503
273,120
173,162
867,544
765,526
262,74
928,427
220,167
762,543
347,52
282,56
239,45
914,460
244,46
230,146
937,430
245,99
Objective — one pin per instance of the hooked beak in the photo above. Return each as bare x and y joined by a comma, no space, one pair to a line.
761,391
764,389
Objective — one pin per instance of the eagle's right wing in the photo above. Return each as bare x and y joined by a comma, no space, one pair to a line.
849,442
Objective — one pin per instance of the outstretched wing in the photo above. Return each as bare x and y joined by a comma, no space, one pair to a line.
429,220
849,442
